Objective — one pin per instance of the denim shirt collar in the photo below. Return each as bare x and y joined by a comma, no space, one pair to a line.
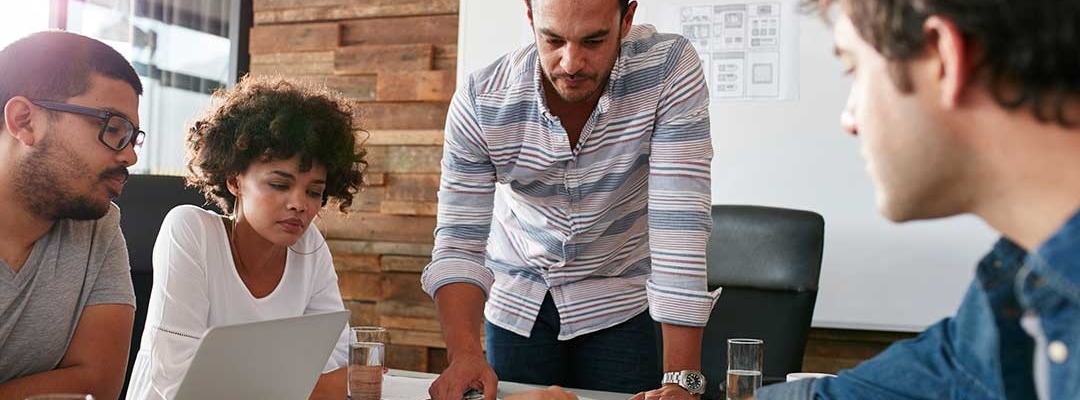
1053,267
1057,261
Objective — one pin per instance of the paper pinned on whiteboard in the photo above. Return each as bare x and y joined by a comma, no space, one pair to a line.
749,49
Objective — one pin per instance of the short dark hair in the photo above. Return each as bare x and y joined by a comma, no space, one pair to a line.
623,6
1030,48
264,119
57,65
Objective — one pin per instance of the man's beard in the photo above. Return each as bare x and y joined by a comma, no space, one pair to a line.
577,98
44,179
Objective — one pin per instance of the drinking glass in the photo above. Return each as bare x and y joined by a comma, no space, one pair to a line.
744,368
367,360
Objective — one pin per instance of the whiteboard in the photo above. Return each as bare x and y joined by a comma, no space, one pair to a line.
792,153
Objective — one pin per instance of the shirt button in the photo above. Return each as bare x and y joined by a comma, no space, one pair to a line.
1057,352
997,264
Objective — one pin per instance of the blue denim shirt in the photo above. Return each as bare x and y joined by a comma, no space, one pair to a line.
982,352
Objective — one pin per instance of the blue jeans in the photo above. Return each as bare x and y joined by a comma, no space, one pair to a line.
622,358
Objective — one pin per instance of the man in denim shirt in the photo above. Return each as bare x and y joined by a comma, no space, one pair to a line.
973,106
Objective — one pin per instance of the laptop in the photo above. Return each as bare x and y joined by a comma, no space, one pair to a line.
272,359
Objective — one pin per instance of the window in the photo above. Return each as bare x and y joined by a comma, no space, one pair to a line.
19,18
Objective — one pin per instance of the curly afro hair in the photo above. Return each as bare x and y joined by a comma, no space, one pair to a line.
264,119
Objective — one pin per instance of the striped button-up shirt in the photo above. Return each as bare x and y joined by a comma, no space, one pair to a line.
610,228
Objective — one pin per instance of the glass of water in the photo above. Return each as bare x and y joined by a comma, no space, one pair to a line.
744,366
367,360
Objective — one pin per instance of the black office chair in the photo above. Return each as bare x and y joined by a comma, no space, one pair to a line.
768,260
143,205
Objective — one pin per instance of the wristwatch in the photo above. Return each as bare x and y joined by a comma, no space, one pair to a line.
692,381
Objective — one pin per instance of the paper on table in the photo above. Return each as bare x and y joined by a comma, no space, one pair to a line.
405,388
409,388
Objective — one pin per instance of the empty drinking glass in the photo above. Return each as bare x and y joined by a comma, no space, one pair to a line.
744,368
367,359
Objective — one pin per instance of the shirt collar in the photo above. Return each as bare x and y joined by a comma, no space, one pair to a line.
1058,259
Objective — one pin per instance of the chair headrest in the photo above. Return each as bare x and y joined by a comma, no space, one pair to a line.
765,248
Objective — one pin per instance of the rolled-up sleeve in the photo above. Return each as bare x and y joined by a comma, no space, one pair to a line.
466,196
680,200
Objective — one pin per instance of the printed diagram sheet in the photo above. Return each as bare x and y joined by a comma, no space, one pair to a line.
748,50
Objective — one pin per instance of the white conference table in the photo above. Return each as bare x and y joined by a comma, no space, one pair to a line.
505,388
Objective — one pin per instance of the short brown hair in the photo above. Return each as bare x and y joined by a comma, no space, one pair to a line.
1030,48
57,65
623,6
271,119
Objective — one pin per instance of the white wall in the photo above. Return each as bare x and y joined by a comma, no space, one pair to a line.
875,275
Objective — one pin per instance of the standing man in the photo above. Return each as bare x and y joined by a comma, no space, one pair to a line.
973,106
70,126
574,204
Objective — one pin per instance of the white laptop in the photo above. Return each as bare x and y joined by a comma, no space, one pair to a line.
273,359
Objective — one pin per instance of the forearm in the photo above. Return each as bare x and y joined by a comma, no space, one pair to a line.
74,379
331,385
682,347
461,312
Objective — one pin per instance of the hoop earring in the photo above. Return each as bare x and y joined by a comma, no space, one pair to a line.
235,216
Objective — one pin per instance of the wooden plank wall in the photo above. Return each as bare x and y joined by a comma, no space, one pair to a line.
397,60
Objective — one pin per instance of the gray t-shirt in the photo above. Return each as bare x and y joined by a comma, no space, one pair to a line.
75,265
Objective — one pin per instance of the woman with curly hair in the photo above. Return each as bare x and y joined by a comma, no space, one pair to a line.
271,154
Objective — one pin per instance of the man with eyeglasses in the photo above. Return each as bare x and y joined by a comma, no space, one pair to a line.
68,134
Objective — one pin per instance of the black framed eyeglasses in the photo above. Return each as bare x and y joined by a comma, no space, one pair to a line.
116,131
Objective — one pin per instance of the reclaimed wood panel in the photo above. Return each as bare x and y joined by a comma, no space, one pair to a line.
360,286
446,58
373,226
403,287
832,350
409,358
370,59
380,247
401,115
355,9
263,5
294,58
415,86
293,64
414,137
412,324
435,29
345,262
405,159
411,310
294,38
413,187
374,179
438,360
358,88
361,313
416,338
404,263
369,199
409,208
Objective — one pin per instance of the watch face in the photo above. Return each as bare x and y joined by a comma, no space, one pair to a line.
693,382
